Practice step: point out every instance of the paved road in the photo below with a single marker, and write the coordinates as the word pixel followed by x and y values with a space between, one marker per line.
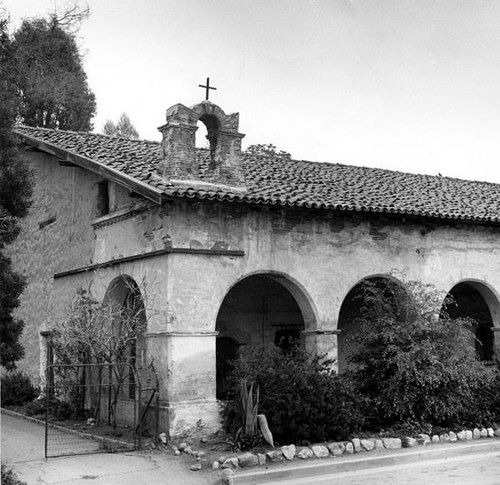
pixel 481 469
pixel 23 450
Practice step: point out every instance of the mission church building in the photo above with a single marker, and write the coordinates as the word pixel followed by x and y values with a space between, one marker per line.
pixel 238 249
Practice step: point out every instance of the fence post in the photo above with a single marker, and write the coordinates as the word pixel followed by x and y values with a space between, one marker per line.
pixel 47 401
pixel 139 414
pixel 157 390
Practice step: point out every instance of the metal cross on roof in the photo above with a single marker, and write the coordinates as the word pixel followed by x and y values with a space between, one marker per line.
pixel 207 87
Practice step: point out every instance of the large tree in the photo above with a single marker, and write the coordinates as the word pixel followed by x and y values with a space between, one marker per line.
pixel 50 76
pixel 124 128
pixel 15 194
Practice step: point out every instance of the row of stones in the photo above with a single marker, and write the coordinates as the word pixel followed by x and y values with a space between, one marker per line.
pixel 355 445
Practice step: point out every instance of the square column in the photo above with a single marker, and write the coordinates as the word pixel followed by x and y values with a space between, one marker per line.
pixel 185 363
pixel 323 342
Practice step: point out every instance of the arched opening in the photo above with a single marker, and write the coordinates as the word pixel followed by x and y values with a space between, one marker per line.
pixel 352 309
pixel 127 316
pixel 207 136
pixel 260 310
pixel 474 300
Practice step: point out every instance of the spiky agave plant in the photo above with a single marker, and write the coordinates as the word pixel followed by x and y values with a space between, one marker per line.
pixel 248 435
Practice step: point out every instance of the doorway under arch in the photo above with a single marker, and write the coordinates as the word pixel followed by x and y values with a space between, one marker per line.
pixel 352 308
pixel 474 300
pixel 259 310
pixel 125 304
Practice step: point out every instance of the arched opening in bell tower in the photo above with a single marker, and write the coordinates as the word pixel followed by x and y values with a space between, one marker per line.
pixel 207 135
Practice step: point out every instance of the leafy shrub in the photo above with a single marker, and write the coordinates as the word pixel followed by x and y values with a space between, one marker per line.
pixel 302 398
pixel 17 388
pixel 9 477
pixel 414 363
pixel 59 410
pixel 35 408
pixel 486 411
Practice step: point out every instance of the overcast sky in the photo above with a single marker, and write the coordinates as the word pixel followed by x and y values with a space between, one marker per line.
pixel 410 85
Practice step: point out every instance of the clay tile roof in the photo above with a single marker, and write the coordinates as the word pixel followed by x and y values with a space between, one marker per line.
pixel 284 182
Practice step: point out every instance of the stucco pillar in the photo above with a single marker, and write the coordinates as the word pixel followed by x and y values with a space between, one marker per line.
pixel 322 342
pixel 185 363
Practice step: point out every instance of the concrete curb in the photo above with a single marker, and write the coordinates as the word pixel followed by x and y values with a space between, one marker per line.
pixel 361 461
pixel 125 445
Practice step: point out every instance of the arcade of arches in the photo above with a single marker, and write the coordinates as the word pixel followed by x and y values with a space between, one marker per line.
pixel 260 310
pixel 469 300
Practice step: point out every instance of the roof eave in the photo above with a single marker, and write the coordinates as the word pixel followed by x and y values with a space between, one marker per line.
pixel 258 201
pixel 130 183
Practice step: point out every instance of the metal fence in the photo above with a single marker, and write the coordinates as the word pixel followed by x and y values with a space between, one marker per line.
pixel 94 408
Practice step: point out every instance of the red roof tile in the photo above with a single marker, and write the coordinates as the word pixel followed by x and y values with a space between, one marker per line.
pixel 279 181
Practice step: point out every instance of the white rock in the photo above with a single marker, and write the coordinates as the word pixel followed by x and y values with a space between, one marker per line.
pixel 230 463
pixel 435 438
pixel 336 449
pixel 491 433
pixel 453 436
pixel 444 438
pixel 483 433
pixel 305 453
pixel 392 443
pixel 468 434
pixel 349 449
pixel 379 444
pixel 262 458
pixel 163 438
pixel 461 435
pixel 289 451
pixel 356 443
pixel 275 455
pixel 476 434
pixel 423 439
pixel 195 467
pixel 320 451
pixel 215 465
pixel 367 445
pixel 247 460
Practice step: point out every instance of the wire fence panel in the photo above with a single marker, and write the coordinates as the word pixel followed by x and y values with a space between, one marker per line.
pixel 94 408
pixel 62 442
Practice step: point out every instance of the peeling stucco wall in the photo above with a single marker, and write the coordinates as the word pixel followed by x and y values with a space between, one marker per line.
pixel 322 255
pixel 55 235
pixel 318 256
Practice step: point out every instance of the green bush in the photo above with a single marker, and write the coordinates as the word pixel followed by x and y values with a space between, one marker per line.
pixel 487 407
pixel 415 364
pixel 301 397
pixel 36 407
pixel 17 388
pixel 9 477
